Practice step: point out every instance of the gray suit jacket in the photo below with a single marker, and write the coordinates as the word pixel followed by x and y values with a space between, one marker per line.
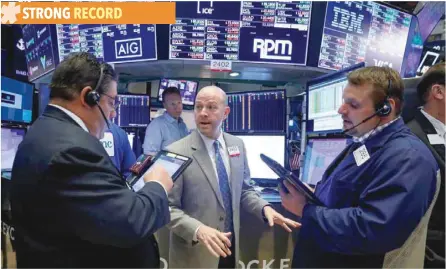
pixel 196 200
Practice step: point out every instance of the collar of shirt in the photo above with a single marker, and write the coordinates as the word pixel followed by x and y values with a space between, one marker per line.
pixel 73 116
pixel 209 143
pixel 438 125
pixel 172 119
pixel 373 132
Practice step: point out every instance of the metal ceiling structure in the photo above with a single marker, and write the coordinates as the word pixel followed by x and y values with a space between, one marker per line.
pixel 249 72
pixel 255 73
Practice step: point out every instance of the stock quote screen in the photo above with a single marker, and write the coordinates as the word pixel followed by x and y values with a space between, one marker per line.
pixel 363 32
pixel 324 100
pixel 256 112
pixel 249 31
pixel 79 37
pixel 134 111
pixel 112 43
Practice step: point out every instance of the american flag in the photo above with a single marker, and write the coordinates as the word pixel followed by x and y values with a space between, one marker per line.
pixel 294 157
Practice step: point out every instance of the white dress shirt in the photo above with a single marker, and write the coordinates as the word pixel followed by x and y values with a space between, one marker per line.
pixel 438 125
pixel 209 143
pixel 73 116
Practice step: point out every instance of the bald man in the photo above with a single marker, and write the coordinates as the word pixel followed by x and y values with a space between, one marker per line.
pixel 205 201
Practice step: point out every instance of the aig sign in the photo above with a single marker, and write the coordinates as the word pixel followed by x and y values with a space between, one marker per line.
pixel 128 48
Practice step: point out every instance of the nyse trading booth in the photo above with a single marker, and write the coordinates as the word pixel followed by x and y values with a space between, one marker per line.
pixel 285 69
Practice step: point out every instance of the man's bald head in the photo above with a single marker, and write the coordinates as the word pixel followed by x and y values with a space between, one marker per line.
pixel 214 91
pixel 210 111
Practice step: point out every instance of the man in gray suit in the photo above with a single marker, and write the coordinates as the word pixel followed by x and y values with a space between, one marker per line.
pixel 205 200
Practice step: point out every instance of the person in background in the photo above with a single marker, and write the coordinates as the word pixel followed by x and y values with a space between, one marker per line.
pixel 207 198
pixel 118 147
pixel 378 193
pixel 70 206
pixel 167 128
pixel 429 125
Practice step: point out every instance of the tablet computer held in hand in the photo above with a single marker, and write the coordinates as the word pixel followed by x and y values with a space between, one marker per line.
pixel 174 164
pixel 284 174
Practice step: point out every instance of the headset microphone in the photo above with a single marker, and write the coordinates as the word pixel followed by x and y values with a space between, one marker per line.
pixel 378 112
pixel 103 115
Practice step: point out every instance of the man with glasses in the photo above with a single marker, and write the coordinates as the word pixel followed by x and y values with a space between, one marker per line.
pixel 70 206
pixel 168 127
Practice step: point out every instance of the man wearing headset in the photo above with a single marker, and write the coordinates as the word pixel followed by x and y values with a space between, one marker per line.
pixel 378 193
pixel 70 206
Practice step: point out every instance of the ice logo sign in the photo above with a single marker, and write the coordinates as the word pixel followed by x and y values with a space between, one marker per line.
pixel 128 48
pixel 273 49
pixel 205 10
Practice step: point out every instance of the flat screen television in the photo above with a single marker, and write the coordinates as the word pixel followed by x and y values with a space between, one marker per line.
pixel 188 89
pixel 11 139
pixel 17 100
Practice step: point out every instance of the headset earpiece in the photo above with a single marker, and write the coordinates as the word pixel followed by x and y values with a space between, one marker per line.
pixel 92 98
pixel 384 109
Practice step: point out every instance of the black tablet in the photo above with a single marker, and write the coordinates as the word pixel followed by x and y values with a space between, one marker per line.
pixel 174 163
pixel 292 179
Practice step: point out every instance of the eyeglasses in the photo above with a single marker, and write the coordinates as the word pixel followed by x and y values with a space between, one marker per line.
pixel 115 104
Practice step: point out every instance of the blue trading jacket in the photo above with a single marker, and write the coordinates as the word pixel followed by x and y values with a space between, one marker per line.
pixel 123 157
pixel 371 209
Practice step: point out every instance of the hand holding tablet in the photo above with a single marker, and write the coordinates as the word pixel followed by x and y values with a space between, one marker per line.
pixel 287 176
pixel 159 174
pixel 174 164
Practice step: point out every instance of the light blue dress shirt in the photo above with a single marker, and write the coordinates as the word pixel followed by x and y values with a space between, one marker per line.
pixel 163 131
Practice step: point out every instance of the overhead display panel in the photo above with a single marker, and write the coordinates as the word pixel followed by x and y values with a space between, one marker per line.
pixel 79 37
pixel 129 42
pixel 205 31
pixel 363 32
pixel 273 32
pixel 39 53
pixel 113 43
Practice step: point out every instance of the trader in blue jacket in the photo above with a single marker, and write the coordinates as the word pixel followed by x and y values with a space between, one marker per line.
pixel 377 193
pixel 118 147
